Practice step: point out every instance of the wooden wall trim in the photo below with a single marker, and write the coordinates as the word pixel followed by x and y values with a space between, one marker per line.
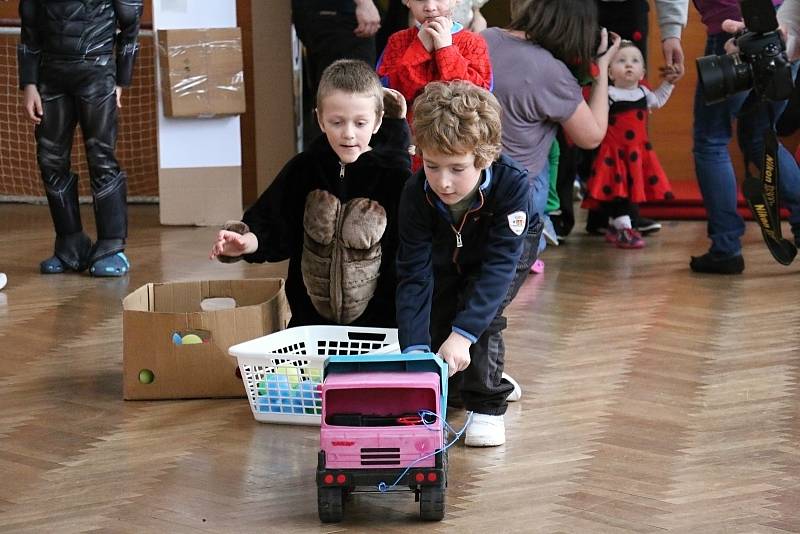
pixel 244 17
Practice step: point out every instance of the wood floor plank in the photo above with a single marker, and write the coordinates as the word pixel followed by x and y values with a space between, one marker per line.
pixel 654 400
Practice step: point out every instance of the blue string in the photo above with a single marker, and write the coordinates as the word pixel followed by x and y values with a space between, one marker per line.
pixel 383 488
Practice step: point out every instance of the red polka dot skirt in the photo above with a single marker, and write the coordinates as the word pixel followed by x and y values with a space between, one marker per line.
pixel 626 165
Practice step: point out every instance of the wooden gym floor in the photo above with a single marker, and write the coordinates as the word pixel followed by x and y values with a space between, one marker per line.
pixel 655 400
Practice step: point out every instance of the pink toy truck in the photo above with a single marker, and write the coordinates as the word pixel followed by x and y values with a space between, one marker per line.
pixel 383 428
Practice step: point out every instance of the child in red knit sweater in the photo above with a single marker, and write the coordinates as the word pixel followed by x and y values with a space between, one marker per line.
pixel 436 49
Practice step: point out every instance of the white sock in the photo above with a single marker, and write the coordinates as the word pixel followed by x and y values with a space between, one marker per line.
pixel 621 223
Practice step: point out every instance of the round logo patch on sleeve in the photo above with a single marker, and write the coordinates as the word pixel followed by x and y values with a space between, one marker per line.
pixel 517 221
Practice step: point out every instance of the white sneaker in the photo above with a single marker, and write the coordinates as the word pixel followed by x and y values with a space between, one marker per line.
pixel 549 232
pixel 517 393
pixel 485 431
pixel 3 280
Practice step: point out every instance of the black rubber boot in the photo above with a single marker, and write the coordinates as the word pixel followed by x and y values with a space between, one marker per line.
pixel 110 212
pixel 71 254
pixel 72 246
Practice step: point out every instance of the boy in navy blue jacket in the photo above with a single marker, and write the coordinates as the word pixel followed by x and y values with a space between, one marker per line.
pixel 467 240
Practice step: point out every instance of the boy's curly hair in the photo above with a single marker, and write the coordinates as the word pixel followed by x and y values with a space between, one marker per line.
pixel 351 76
pixel 456 118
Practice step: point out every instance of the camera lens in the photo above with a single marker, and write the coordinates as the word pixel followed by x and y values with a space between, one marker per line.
pixel 722 76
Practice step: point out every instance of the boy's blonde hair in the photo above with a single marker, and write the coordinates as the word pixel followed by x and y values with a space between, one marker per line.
pixel 351 76
pixel 456 118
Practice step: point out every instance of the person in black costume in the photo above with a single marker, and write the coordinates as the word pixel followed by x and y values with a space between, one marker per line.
pixel 72 67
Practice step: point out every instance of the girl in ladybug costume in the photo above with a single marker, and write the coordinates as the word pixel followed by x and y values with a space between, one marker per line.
pixel 626 169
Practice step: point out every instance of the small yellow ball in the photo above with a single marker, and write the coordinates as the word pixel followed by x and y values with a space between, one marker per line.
pixel 191 339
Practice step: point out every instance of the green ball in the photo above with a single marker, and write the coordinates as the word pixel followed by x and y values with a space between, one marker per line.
pixel 146 376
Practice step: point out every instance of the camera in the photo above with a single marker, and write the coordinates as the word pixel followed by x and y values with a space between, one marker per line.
pixel 761 63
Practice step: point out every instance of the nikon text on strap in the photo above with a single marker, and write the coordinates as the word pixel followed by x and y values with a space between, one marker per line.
pixel 763 197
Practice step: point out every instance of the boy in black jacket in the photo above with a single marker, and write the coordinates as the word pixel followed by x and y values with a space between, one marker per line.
pixel 468 237
pixel 332 210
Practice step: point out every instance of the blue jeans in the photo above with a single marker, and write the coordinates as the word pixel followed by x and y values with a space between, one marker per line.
pixel 540 187
pixel 713 130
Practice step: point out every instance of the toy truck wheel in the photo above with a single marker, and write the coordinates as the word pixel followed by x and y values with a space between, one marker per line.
pixel 330 504
pixel 431 503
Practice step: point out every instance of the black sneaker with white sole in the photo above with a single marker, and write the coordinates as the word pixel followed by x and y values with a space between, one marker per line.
pixel 647 226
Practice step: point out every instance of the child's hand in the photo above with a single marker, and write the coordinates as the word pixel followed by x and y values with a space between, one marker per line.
pixel 32 103
pixel 425 38
pixel 606 53
pixel 394 105
pixel 671 73
pixel 439 30
pixel 368 18
pixel 455 351
pixel 233 244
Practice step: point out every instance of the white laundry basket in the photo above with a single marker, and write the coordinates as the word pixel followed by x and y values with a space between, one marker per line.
pixel 282 372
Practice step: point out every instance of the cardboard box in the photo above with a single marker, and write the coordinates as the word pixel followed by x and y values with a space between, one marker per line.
pixel 161 362
pixel 201 72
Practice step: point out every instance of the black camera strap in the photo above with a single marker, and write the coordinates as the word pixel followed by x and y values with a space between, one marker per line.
pixel 762 195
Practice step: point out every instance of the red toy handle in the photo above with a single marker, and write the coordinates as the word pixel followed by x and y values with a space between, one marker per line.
pixel 409 420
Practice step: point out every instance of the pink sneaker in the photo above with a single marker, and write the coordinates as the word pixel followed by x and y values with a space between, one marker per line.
pixel 611 234
pixel 628 238
pixel 537 267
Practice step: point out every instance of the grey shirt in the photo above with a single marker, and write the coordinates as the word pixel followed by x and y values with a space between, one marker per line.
pixel 536 92
pixel 672 16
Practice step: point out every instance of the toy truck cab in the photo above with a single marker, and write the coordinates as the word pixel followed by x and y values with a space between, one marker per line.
pixel 382 426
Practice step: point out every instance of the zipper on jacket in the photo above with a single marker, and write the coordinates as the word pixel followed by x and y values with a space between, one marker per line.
pixel 341 170
pixel 459 241
pixel 336 275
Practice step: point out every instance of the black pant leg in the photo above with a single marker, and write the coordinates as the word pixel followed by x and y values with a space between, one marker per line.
pixel 620 207
pixel 53 150
pixel 567 170
pixel 483 389
pixel 444 306
pixel 54 136
pixel 395 19
pixel 98 119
